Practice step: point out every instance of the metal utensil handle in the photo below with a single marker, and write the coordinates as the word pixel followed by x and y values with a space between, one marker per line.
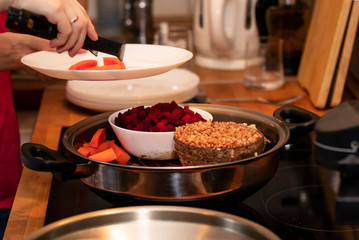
pixel 27 22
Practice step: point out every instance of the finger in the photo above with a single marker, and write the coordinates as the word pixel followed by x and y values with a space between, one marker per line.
pixel 91 32
pixel 77 38
pixel 39 44
pixel 79 43
pixel 89 29
pixel 64 28
pixel 56 13
pixel 79 29
pixel 60 12
pixel 68 32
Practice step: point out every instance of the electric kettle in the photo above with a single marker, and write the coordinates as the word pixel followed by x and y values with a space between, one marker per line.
pixel 221 31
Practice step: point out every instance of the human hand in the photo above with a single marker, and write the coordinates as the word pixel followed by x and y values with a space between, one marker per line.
pixel 14 46
pixel 73 23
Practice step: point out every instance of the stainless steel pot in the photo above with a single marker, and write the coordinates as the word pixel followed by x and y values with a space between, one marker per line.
pixel 165 181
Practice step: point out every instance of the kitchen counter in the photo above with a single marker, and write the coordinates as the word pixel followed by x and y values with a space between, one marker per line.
pixel 29 209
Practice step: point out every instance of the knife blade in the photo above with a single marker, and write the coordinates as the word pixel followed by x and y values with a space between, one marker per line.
pixel 24 21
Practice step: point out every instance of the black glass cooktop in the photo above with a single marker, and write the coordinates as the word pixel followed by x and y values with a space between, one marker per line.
pixel 299 202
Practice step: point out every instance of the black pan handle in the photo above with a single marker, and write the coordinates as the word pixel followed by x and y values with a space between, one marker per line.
pixel 298 120
pixel 41 158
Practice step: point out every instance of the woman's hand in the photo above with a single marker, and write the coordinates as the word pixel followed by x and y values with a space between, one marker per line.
pixel 73 23
pixel 13 46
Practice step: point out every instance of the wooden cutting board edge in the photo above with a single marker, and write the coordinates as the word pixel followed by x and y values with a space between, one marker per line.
pixel 317 65
pixel 341 76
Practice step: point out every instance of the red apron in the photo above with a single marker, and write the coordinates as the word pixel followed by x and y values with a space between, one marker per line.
pixel 10 161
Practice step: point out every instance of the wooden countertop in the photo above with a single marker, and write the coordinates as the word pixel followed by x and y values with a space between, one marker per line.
pixel 29 209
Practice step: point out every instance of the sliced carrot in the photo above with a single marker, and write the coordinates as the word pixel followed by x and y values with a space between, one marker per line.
pixel 84 151
pixel 98 149
pixel 88 148
pixel 111 61
pixel 86 144
pixel 98 138
pixel 105 156
pixel 122 155
pixel 85 64
pixel 105 145
pixel 93 150
pixel 107 67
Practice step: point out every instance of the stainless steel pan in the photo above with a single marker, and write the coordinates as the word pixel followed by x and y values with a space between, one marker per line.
pixel 154 223
pixel 167 181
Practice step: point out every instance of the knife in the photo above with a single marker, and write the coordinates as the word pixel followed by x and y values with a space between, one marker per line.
pixel 27 22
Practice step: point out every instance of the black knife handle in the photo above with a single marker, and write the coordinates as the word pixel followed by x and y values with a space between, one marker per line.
pixel 27 22
pixel 24 21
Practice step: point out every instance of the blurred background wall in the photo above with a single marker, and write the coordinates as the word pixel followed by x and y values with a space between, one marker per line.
pixel 160 8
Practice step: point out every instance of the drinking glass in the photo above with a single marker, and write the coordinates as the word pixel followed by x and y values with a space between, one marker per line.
pixel 264 64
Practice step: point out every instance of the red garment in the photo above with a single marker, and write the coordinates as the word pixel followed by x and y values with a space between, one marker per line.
pixel 10 161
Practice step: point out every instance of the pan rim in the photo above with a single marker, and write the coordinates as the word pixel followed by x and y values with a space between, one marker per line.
pixel 283 137
pixel 207 217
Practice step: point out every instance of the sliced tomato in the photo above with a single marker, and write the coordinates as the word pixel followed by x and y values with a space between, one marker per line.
pixel 85 64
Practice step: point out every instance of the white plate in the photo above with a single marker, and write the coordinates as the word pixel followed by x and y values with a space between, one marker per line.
pixel 141 60
pixel 179 85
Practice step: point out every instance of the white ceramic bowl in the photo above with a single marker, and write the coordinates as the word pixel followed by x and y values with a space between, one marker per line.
pixel 149 145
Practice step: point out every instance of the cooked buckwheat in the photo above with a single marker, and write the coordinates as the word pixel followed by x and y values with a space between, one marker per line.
pixel 204 143
pixel 217 134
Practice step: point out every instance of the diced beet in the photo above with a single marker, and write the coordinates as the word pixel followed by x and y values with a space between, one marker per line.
pixel 154 129
pixel 163 129
pixel 186 119
pixel 177 113
pixel 189 112
pixel 147 123
pixel 126 119
pixel 161 117
pixel 167 128
pixel 142 115
pixel 199 117
pixel 155 115
pixel 160 125
pixel 139 127
pixel 141 108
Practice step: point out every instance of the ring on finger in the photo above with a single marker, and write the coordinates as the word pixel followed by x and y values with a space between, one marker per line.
pixel 73 20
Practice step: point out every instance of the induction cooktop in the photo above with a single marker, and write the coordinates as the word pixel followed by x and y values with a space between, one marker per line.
pixel 299 202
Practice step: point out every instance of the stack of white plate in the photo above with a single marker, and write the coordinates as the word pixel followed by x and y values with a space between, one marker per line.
pixel 178 84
